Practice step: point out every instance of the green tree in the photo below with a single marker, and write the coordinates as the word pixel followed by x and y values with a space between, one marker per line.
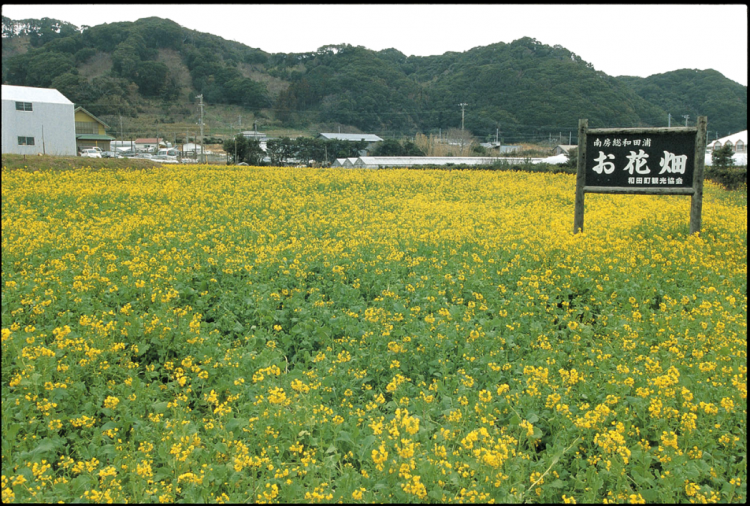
pixel 388 147
pixel 74 87
pixel 152 78
pixel 392 147
pixel 722 158
pixel 411 149
pixel 280 150
pixel 248 150
pixel 45 67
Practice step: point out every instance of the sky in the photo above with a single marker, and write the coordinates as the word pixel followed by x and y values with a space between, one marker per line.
pixel 634 40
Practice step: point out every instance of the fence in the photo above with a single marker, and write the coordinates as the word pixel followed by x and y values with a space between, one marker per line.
pixel 193 157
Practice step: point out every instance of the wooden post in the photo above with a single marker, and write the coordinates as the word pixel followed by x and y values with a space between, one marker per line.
pixel 696 203
pixel 583 125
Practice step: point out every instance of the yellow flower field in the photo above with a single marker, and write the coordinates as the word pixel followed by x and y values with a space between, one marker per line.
pixel 224 334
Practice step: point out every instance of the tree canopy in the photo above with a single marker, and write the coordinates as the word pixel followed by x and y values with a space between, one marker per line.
pixel 524 89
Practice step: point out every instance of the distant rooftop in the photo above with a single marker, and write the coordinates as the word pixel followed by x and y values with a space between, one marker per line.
pixel 352 137
pixel 253 133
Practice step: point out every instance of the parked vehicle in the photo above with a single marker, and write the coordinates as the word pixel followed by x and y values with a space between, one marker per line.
pixel 90 153
pixel 110 154
pixel 168 152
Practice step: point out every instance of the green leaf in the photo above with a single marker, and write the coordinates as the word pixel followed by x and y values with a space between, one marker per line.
pixel 436 494
pixel 43 447
pixel 345 437
pixel 160 407
pixel 10 433
pixel 162 474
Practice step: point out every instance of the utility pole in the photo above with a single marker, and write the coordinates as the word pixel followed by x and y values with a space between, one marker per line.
pixel 686 118
pixel 462 105
pixel 201 105
pixel 235 143
pixel 122 137
pixel 669 120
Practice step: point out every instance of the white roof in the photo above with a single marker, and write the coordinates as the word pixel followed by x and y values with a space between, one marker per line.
pixel 739 136
pixel 408 161
pixel 352 137
pixel 28 94
pixel 561 158
pixel 424 160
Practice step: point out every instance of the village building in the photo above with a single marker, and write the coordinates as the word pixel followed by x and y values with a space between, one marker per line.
pixel 150 144
pixel 37 121
pixel 91 131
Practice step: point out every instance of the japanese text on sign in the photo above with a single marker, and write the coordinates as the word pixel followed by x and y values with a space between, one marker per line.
pixel 632 160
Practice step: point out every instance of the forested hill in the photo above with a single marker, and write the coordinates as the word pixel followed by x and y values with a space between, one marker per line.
pixel 523 88
pixel 696 92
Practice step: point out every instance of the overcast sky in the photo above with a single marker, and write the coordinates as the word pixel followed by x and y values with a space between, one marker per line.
pixel 636 40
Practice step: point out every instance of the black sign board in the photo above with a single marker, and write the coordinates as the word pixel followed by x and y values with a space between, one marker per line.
pixel 651 161
pixel 664 160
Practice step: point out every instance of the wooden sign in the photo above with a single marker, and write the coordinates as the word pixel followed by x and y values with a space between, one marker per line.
pixel 650 161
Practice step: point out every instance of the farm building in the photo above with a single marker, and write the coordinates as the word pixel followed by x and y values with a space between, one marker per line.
pixel 563 149
pixel 376 162
pixel 381 162
pixel 37 121
pixel 255 135
pixel 371 138
pixel 500 148
pixel 91 131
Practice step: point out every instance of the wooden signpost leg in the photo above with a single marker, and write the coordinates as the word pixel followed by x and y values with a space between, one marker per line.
pixel 696 204
pixel 583 125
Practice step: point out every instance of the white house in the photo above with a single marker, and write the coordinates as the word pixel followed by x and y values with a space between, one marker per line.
pixel 151 144
pixel 37 121
pixel 738 142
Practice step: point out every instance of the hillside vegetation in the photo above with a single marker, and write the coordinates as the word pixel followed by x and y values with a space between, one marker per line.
pixel 524 90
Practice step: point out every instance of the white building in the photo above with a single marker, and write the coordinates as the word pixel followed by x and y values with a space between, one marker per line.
pixel 376 162
pixel 37 121
pixel 738 142
pixel 371 138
